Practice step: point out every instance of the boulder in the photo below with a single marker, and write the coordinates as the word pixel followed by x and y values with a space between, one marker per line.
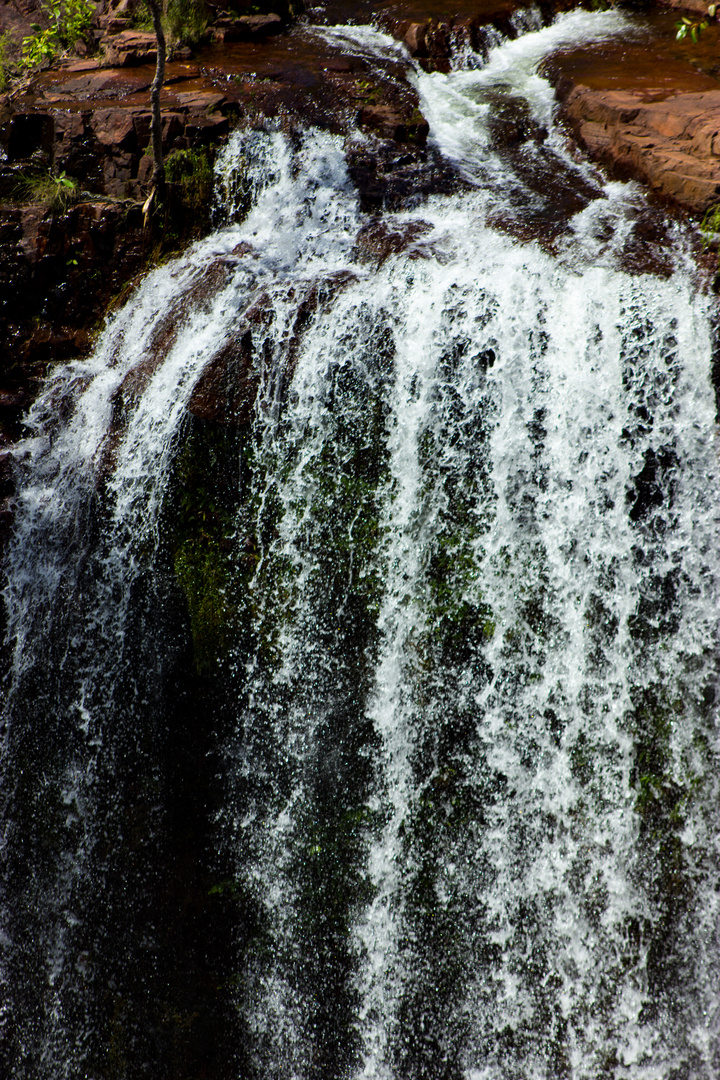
pixel 129 48
pixel 246 28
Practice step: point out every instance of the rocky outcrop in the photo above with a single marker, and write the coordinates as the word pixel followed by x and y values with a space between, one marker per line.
pixel 671 145
pixel 646 108
pixel 129 48
pixel 54 269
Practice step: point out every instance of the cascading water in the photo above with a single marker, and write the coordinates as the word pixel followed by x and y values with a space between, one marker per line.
pixel 365 726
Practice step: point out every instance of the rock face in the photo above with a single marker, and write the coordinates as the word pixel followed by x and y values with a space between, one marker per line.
pixel 672 145
pixel 647 109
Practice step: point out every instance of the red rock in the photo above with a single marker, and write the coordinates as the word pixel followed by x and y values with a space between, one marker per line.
pixel 114 127
pixel 670 145
pixel 81 65
pixel 200 99
pixel 129 48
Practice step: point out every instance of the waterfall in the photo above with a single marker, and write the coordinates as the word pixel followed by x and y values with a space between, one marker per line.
pixel 360 708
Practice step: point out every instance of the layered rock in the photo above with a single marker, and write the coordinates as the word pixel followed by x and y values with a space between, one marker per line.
pixel 672 145
pixel 644 112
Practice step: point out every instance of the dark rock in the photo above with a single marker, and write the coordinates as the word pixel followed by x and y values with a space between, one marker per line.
pixel 29 134
pixel 227 389
pixel 246 28
pixel 388 123
pixel 389 176
pixel 377 241
pixel 206 130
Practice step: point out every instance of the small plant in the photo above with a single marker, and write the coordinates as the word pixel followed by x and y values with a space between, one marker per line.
pixel 57 192
pixel 694 27
pixel 192 172
pixel 69 21
pixel 710 226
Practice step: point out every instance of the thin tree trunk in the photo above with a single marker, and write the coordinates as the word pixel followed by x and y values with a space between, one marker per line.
pixel 158 176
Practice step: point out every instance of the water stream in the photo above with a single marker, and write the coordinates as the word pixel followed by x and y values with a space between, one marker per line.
pixel 366 726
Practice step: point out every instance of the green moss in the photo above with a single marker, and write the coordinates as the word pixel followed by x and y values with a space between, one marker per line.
pixel 666 790
pixel 187 21
pixel 201 570
pixel 199 525
pixel 192 170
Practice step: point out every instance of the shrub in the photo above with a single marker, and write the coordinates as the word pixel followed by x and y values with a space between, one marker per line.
pixel 69 20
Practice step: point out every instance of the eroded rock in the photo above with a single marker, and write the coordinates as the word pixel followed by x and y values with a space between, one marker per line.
pixel 671 145
pixel 130 48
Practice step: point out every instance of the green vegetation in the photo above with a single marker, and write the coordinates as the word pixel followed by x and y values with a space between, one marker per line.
pixel 184 22
pixel 710 227
pixel 200 525
pixel 693 27
pixel 69 22
pixel 666 790
pixel 192 170
pixel 58 193
pixel 186 206
pixel 5 60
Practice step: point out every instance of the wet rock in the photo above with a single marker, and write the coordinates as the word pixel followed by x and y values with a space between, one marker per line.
pixel 377 241
pixel 389 176
pixel 389 123
pixel 511 123
pixel 227 389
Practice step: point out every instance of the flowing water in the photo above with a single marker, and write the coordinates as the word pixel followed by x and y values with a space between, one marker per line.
pixel 366 726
